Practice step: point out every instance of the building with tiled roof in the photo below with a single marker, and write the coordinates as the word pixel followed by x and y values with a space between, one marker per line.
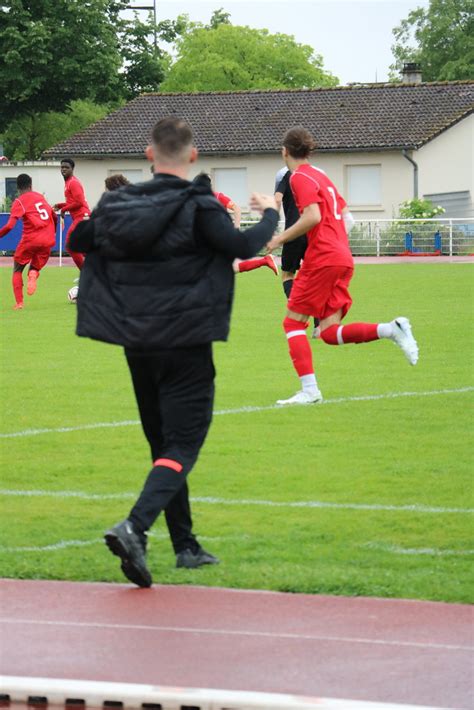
pixel 378 142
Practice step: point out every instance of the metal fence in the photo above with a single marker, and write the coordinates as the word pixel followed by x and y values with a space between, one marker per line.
pixel 407 237
pixel 395 237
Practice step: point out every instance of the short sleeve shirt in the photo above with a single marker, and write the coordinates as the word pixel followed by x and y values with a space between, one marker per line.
pixel 328 244
pixel 38 222
pixel 289 207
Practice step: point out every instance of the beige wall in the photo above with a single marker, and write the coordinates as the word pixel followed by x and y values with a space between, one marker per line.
pixel 46 177
pixel 446 164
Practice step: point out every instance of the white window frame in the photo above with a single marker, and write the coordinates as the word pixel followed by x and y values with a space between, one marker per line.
pixel 357 199
pixel 233 182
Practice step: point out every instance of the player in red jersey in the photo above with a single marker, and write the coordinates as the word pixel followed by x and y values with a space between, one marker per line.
pixel 76 204
pixel 246 264
pixel 321 286
pixel 39 236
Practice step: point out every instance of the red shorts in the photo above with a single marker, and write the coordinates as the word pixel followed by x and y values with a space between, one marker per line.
pixel 321 292
pixel 26 253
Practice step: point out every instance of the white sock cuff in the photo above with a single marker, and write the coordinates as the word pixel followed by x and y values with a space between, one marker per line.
pixel 384 330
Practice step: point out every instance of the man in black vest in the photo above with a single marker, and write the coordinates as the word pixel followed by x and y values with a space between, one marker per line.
pixel 158 280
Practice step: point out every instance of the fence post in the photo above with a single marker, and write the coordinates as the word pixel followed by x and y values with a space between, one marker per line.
pixel 450 237
pixel 60 240
pixel 377 237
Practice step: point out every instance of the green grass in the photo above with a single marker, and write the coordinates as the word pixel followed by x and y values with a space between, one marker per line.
pixel 394 452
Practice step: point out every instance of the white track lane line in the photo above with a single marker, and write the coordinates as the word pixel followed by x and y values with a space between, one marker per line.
pixel 232 632
pixel 415 508
pixel 96 693
pixel 239 410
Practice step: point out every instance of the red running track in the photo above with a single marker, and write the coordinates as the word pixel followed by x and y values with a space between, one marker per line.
pixel 368 649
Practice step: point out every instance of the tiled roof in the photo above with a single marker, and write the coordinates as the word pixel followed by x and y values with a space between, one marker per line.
pixel 347 118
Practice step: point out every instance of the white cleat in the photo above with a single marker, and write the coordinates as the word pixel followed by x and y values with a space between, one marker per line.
pixel 403 337
pixel 302 398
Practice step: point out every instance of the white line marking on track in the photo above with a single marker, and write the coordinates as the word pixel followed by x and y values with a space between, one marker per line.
pixel 397 550
pixel 414 508
pixel 233 632
pixel 239 410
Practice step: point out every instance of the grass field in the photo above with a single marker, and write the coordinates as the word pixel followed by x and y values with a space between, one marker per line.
pixel 407 459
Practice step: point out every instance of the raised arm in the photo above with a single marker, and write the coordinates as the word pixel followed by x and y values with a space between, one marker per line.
pixel 216 230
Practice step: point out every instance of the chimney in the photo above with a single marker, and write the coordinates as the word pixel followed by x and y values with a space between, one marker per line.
pixel 411 73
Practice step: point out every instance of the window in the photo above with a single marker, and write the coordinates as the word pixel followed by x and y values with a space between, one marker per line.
pixel 10 188
pixel 232 182
pixel 364 184
pixel 131 175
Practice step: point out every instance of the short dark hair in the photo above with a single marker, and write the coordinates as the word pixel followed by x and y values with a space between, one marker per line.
pixel 113 182
pixel 171 136
pixel 70 161
pixel 23 181
pixel 299 142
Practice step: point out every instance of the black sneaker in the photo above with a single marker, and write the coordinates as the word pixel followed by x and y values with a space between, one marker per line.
pixel 190 559
pixel 123 541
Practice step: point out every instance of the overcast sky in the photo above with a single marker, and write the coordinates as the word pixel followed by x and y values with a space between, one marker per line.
pixel 354 37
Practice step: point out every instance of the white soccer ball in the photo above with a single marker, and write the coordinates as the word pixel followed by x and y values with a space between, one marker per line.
pixel 72 294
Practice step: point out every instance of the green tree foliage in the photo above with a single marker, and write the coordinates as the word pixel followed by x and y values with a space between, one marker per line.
pixel 68 61
pixel 440 37
pixel 226 58
pixel 29 136
pixel 56 51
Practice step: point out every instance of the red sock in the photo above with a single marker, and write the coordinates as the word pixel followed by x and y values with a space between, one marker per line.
pixel 352 333
pixel 251 264
pixel 77 258
pixel 300 351
pixel 17 282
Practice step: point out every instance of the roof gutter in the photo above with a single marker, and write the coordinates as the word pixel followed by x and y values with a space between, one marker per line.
pixel 415 172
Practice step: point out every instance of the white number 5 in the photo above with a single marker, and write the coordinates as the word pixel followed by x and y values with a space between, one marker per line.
pixel 332 192
pixel 41 211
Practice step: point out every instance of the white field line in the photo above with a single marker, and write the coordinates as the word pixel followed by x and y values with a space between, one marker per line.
pixel 64 544
pixel 414 508
pixel 239 410
pixel 232 632
pixel 391 549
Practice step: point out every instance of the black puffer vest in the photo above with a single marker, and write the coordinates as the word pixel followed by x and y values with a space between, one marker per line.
pixel 148 283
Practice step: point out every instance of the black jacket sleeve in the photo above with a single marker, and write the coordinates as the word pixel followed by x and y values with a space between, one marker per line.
pixel 82 238
pixel 215 230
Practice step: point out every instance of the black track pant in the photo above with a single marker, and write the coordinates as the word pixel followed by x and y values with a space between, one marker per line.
pixel 175 392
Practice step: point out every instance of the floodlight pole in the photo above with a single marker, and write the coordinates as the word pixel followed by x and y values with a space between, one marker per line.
pixel 148 7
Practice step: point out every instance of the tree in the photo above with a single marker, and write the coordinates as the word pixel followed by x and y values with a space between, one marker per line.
pixel 56 51
pixel 67 61
pixel 228 58
pixel 27 137
pixel 443 37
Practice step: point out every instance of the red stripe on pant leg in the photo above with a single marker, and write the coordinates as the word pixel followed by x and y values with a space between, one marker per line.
pixel 169 463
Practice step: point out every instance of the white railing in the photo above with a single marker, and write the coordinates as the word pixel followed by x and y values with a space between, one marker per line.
pixel 395 237
pixel 392 237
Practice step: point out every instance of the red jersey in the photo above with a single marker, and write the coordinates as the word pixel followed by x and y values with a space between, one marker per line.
pixel 328 244
pixel 224 200
pixel 39 220
pixel 76 203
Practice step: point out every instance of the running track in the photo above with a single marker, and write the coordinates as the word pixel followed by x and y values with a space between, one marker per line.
pixel 379 650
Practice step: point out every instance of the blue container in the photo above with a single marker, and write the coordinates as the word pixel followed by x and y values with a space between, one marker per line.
pixel 9 242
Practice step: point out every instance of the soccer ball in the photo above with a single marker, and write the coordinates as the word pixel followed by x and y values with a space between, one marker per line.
pixel 72 294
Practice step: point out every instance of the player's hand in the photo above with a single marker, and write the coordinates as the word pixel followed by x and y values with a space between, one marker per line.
pixel 273 244
pixel 261 202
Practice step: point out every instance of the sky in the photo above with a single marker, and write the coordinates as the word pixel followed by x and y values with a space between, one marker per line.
pixel 354 37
